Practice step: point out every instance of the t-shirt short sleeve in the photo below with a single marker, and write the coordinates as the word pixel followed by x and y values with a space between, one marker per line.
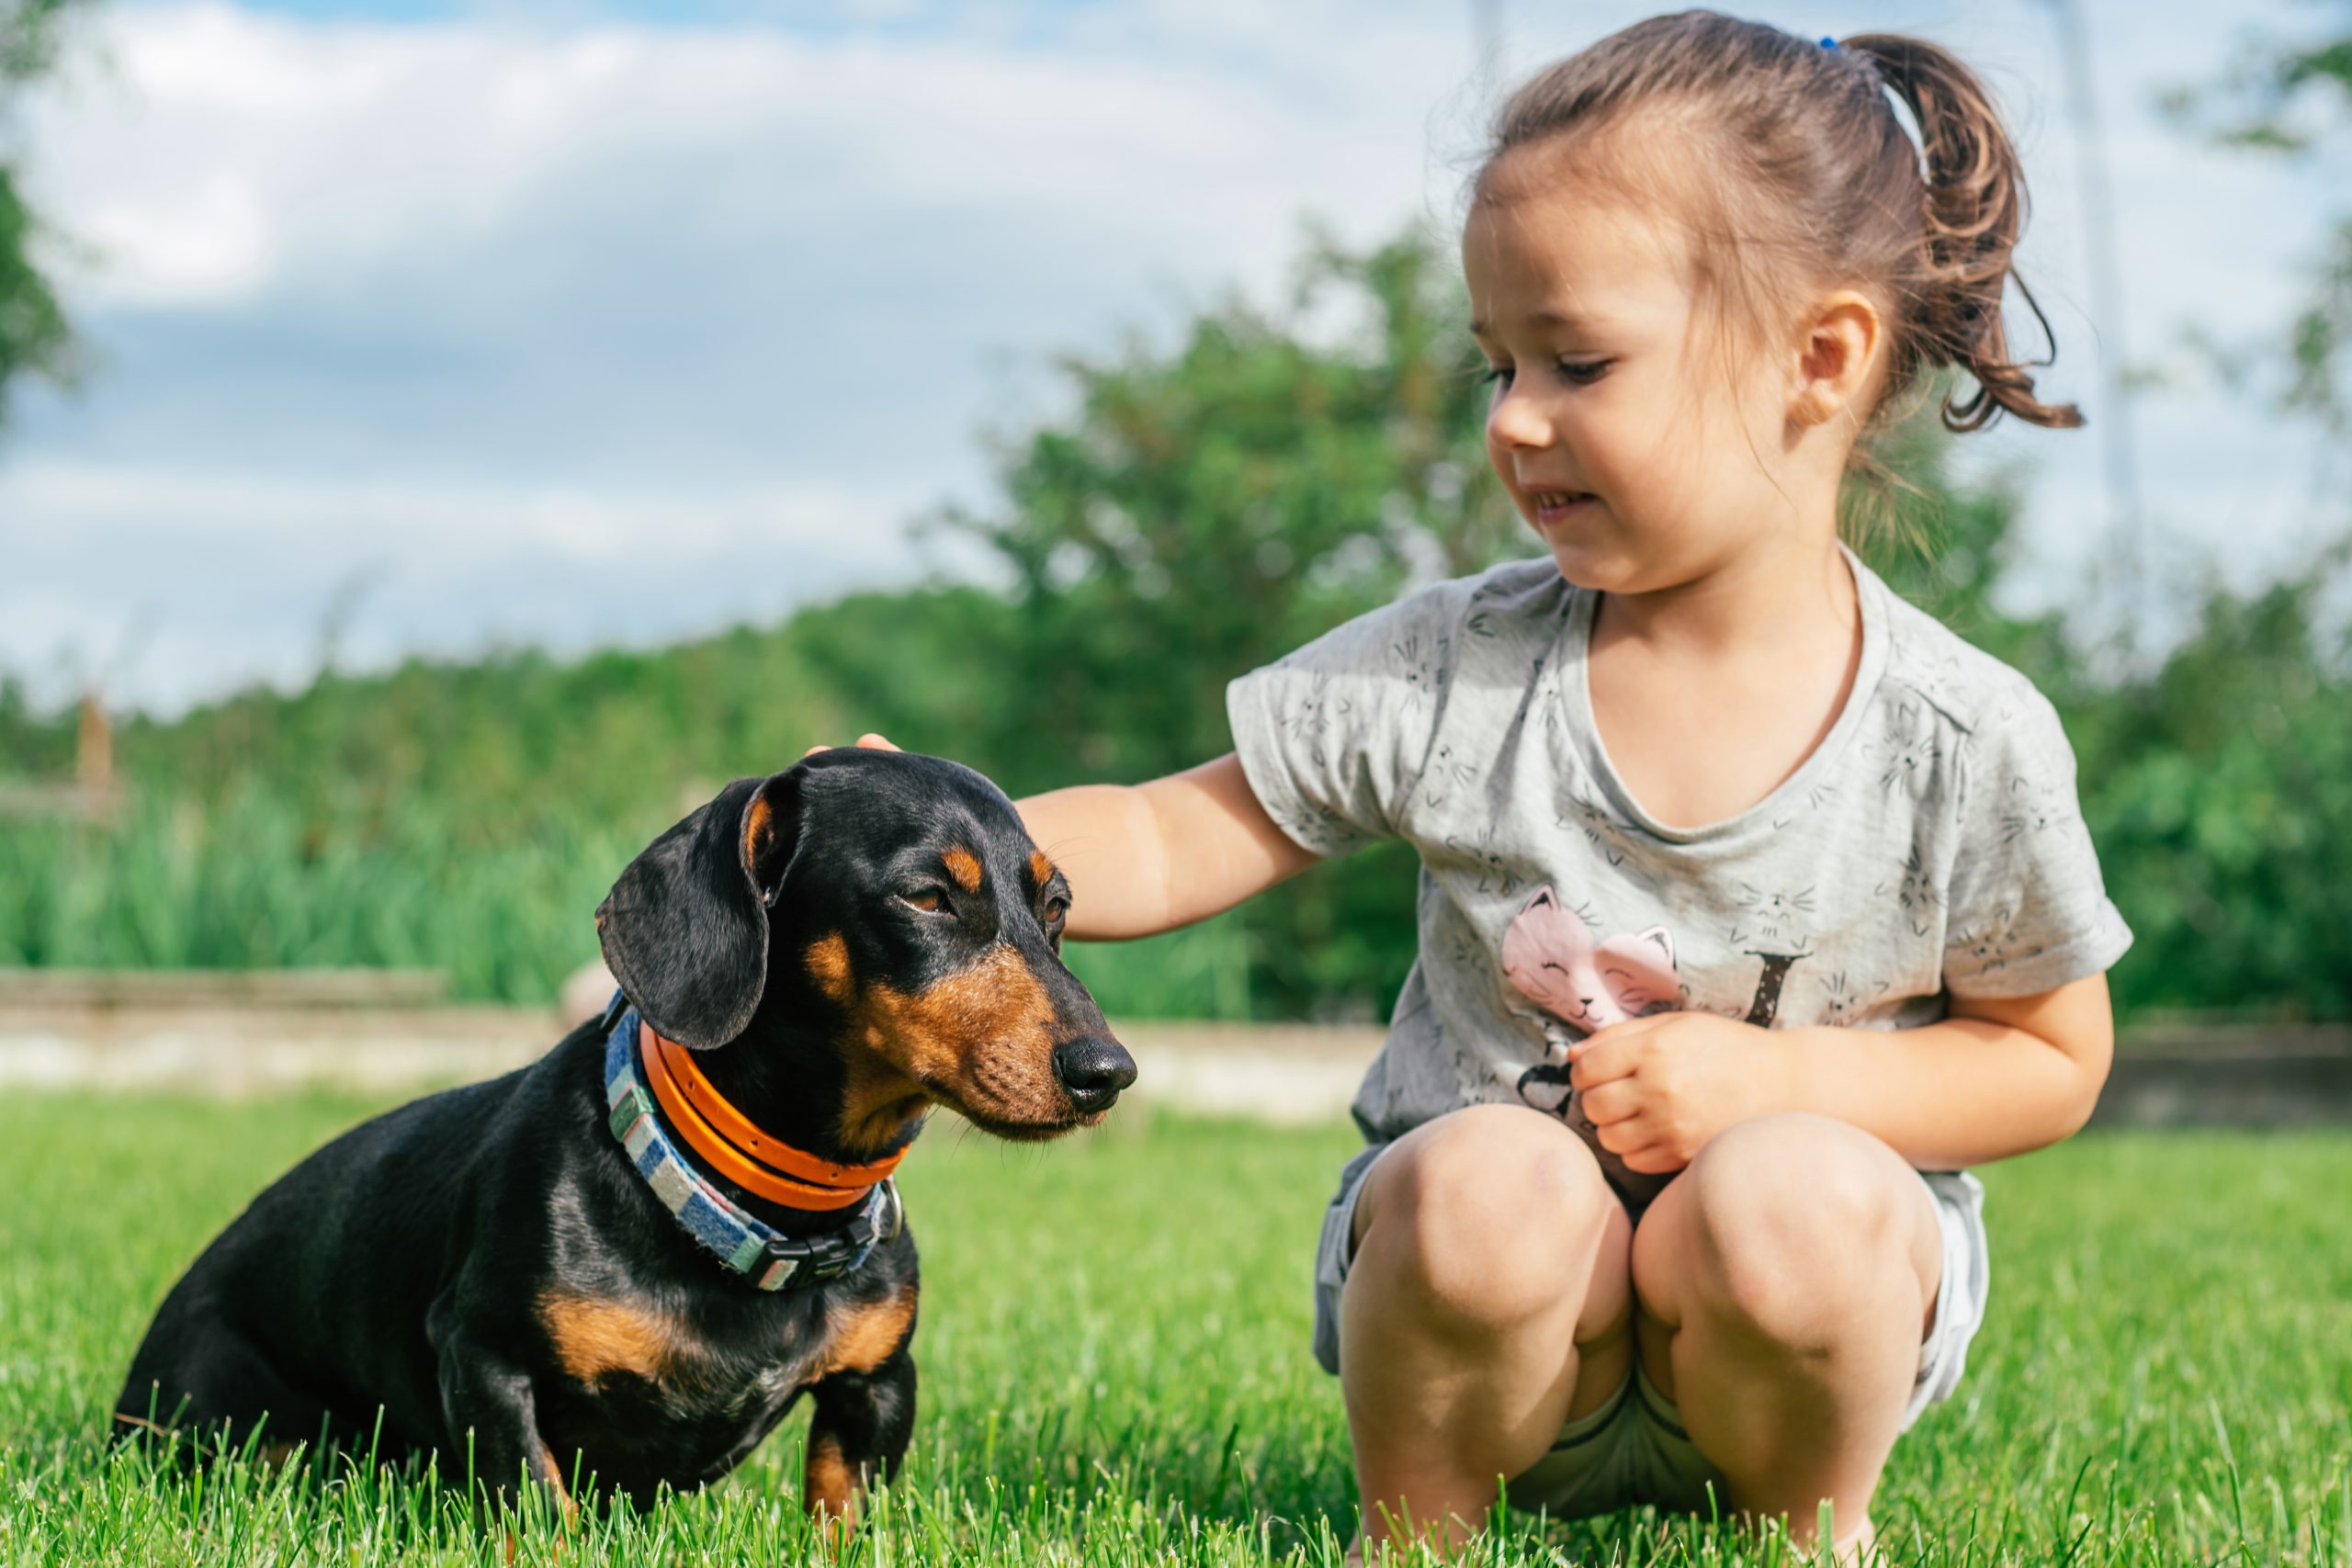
pixel 1332 736
pixel 2028 910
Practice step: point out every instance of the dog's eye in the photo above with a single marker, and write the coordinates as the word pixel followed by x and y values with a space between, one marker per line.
pixel 929 900
pixel 1057 910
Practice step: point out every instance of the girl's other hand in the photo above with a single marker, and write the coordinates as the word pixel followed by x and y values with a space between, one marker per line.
pixel 1656 1089
pixel 869 741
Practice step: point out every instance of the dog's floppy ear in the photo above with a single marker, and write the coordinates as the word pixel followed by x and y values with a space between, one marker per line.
pixel 686 928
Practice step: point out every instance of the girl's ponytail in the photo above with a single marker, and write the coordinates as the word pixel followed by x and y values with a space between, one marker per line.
pixel 1975 208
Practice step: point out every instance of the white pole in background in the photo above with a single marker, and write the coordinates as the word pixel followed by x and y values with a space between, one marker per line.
pixel 2127 526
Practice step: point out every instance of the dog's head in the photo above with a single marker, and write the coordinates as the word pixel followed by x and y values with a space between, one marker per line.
pixel 892 901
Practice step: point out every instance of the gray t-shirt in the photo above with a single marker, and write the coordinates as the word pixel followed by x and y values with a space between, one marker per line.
pixel 1931 846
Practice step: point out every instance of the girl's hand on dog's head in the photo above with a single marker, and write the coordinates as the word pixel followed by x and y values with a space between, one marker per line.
pixel 869 741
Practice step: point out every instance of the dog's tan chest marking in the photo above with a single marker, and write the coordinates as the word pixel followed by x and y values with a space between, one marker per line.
pixel 595 1338
pixel 861 1336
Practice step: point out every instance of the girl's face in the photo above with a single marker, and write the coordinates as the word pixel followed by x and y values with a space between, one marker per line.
pixel 1627 440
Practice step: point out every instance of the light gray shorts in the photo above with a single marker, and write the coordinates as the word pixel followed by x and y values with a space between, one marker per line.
pixel 1634 1450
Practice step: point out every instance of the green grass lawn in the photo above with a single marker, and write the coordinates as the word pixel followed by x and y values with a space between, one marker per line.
pixel 1116 1368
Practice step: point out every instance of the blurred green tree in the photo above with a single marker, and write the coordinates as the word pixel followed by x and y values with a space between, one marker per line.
pixel 34 338
pixel 2220 793
pixel 1275 473
pixel 2219 787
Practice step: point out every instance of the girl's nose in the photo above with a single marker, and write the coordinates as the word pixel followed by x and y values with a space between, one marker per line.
pixel 1514 421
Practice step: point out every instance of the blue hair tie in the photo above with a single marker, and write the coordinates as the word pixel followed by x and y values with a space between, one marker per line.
pixel 1830 43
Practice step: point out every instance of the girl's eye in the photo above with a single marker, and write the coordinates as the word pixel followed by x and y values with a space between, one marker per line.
pixel 1584 372
pixel 929 900
pixel 1495 376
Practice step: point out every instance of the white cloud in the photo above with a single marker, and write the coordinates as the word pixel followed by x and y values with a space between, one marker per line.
pixel 175 583
pixel 223 151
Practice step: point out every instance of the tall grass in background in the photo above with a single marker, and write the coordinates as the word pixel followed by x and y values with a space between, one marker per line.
pixel 255 882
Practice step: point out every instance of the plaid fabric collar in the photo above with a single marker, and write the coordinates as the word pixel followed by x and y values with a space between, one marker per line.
pixel 746 1245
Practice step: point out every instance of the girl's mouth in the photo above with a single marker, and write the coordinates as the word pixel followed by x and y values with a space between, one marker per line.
pixel 1552 505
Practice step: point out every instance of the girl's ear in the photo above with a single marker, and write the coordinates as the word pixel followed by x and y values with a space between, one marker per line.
pixel 686 928
pixel 1838 360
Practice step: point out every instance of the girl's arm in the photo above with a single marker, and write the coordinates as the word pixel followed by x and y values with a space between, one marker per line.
pixel 1998 1078
pixel 1148 858
pixel 1142 859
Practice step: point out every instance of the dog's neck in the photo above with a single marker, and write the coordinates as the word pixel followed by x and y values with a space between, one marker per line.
pixel 749 1118
pixel 793 1081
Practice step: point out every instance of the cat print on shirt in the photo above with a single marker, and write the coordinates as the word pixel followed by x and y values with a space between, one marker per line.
pixel 1992 944
pixel 1424 674
pixel 1309 719
pixel 1495 873
pixel 1550 956
pixel 1915 893
pixel 1774 922
pixel 2033 808
pixel 1594 820
pixel 1843 1001
pixel 1908 760
pixel 1580 985
pixel 1775 928
pixel 1448 771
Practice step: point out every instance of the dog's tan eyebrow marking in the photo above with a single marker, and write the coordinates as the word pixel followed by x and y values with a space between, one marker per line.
pixel 1040 867
pixel 965 867
pixel 828 961
pixel 863 1337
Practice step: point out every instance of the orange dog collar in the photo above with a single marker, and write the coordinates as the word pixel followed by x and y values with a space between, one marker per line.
pixel 758 1162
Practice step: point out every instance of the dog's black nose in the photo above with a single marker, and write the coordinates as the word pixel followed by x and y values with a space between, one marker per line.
pixel 1094 1070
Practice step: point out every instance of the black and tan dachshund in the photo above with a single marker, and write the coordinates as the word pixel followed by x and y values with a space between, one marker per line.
pixel 631 1258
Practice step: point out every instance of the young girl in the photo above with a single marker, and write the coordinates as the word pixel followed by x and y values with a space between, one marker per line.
pixel 1755 904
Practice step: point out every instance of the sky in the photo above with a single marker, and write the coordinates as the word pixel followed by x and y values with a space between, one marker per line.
pixel 444 326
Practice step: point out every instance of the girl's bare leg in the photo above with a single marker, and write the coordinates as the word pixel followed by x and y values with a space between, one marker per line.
pixel 1487 1304
pixel 1785 1281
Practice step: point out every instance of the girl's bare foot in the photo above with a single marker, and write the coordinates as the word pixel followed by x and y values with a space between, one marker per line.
pixel 1859 1548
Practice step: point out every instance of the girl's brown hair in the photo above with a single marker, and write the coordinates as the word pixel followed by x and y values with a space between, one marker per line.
pixel 1808 180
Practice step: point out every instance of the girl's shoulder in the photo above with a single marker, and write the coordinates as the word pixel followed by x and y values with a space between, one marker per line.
pixel 1930 664
pixel 1505 606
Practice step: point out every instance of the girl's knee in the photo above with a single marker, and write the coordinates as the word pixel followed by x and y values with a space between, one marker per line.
pixel 1782 1224
pixel 1489 1215
pixel 1797 1177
